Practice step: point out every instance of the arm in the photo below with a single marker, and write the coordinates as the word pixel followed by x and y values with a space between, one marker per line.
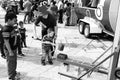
pixel 44 41
pixel 56 30
pixel 34 26
pixel 6 36
pixel 8 47
pixel 24 4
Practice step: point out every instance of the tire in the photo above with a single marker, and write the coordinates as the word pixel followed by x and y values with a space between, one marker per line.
pixel 87 31
pixel 117 73
pixel 81 27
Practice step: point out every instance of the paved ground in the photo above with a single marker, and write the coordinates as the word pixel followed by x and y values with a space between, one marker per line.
pixel 30 65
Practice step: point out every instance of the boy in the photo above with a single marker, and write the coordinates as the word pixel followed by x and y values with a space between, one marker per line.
pixel 23 34
pixel 11 44
pixel 47 47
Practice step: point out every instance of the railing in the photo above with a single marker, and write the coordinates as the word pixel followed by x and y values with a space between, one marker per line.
pixel 91 69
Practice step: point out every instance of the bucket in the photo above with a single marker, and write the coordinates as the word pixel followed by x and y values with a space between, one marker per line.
pixel 61 46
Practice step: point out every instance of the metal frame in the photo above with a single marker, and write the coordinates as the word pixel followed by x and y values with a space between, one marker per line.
pixel 116 44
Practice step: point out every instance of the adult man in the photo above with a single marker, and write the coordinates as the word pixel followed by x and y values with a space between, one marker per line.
pixel 47 20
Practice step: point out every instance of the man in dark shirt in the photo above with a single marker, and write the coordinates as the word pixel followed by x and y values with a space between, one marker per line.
pixel 47 20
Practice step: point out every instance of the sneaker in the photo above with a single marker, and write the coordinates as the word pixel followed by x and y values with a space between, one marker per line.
pixel 43 62
pixel 25 46
pixel 50 62
pixel 17 77
pixel 21 54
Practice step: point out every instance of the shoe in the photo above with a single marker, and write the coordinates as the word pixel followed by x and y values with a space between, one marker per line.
pixel 43 62
pixel 17 77
pixel 25 46
pixel 50 62
pixel 21 54
pixel 38 39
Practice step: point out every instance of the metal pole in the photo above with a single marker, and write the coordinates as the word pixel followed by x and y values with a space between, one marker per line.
pixel 114 59
pixel 97 65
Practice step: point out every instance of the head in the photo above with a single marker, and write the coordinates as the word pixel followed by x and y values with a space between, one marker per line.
pixel 10 18
pixel 50 32
pixel 43 11
pixel 21 24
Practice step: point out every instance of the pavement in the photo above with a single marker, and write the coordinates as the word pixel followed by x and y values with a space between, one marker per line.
pixel 75 47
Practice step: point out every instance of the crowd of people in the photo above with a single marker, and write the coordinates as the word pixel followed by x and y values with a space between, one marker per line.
pixel 13 33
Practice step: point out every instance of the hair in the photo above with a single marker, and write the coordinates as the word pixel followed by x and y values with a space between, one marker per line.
pixel 20 22
pixel 54 2
pixel 10 15
pixel 49 30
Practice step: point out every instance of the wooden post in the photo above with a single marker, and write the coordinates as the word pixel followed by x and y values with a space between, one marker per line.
pixel 114 59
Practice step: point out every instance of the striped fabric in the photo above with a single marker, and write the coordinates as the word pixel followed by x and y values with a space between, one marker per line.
pixel 6 34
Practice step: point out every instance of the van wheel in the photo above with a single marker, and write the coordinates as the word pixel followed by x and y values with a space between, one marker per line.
pixel 81 27
pixel 87 31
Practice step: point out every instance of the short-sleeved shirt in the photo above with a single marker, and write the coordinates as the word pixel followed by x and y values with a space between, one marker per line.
pixel 22 32
pixel 50 22
pixel 10 34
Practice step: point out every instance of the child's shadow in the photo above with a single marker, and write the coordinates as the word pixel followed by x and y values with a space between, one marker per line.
pixel 24 76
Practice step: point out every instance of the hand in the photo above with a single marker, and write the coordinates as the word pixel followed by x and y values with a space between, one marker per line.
pixel 11 54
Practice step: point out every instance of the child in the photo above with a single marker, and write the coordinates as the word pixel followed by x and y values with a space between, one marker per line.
pixel 19 40
pixel 23 34
pixel 47 47
pixel 11 44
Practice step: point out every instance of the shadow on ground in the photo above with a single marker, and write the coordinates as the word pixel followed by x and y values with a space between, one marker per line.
pixel 24 76
pixel 3 71
pixel 33 55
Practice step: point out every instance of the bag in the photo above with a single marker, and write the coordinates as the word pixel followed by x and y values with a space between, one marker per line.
pixel 62 56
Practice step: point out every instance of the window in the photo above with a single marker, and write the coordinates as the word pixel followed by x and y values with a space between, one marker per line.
pixel 90 3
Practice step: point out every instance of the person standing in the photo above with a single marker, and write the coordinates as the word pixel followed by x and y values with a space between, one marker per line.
pixel 47 20
pixel 19 49
pixel 23 34
pixel 21 4
pixel 54 9
pixel 11 44
pixel 47 47
pixel 60 11
pixel 68 14
pixel 27 8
